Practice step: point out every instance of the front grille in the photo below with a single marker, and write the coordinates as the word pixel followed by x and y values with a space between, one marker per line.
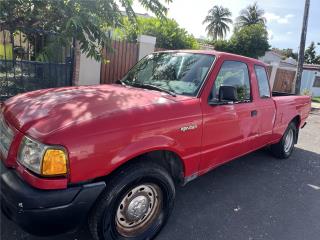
pixel 6 137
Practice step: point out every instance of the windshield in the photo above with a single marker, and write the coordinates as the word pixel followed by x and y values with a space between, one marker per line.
pixel 179 73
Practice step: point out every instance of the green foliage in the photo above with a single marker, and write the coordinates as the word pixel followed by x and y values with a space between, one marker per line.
pixel 86 21
pixel 250 37
pixel 223 46
pixel 167 31
pixel 316 99
pixel 306 92
pixel 251 15
pixel 218 19
pixel 287 52
pixel 310 55
pixel 250 41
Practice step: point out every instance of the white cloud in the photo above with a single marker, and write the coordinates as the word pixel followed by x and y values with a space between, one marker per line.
pixel 272 17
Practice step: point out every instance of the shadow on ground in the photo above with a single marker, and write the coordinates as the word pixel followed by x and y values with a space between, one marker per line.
pixel 253 197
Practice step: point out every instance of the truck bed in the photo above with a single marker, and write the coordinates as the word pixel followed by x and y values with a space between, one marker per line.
pixel 288 107
pixel 281 94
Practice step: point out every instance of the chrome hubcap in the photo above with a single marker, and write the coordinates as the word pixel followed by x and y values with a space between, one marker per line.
pixel 288 141
pixel 137 210
pixel 138 207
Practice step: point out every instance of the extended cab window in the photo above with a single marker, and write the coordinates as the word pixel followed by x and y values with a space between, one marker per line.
pixel 263 83
pixel 235 74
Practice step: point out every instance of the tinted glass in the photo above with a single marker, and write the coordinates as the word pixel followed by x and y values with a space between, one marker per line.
pixel 263 82
pixel 181 73
pixel 233 74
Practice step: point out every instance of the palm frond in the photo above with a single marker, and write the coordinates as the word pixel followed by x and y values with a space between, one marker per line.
pixel 252 14
pixel 217 22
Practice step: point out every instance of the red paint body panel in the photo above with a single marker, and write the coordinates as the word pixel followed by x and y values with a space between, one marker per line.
pixel 102 127
pixel 41 183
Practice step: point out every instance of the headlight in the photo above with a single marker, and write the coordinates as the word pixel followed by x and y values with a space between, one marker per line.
pixel 42 159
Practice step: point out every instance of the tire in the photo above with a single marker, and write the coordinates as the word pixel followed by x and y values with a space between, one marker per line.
pixel 284 148
pixel 146 185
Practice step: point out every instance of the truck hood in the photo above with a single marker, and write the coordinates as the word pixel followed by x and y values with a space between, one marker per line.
pixel 42 112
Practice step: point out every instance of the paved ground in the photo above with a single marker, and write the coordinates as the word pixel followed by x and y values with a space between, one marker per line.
pixel 315 104
pixel 253 198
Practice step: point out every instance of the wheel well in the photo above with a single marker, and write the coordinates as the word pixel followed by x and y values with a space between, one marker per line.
pixel 296 120
pixel 167 159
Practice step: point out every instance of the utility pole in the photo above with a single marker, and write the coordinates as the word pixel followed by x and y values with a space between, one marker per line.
pixel 302 46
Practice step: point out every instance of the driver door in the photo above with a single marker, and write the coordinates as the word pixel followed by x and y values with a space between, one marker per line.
pixel 228 128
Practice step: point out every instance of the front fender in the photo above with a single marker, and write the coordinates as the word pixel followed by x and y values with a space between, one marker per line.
pixel 146 145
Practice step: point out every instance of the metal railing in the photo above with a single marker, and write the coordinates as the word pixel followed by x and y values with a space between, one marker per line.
pixel 32 60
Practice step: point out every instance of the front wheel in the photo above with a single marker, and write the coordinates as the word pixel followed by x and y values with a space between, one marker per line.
pixel 284 148
pixel 136 204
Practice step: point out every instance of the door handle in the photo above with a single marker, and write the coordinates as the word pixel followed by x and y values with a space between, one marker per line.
pixel 254 113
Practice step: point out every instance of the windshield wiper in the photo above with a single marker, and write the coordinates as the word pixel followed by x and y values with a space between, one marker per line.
pixel 152 87
pixel 120 82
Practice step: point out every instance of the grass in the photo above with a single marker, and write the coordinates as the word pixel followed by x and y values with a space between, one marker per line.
pixel 316 99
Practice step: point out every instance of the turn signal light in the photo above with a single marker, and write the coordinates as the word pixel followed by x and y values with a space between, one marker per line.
pixel 54 163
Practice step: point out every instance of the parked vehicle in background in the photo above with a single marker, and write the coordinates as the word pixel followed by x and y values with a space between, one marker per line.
pixel 112 154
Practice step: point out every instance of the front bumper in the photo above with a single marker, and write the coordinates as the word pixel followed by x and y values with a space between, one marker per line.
pixel 46 212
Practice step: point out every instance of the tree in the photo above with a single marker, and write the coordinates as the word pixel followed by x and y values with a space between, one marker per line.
pixel 168 33
pixel 310 55
pixel 251 15
pixel 286 52
pixel 250 41
pixel 85 21
pixel 223 46
pixel 218 19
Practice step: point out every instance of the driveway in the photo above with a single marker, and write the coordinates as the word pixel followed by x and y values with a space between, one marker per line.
pixel 252 198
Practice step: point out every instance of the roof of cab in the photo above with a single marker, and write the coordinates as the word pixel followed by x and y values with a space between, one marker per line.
pixel 219 54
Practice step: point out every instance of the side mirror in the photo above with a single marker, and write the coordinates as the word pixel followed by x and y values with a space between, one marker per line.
pixel 228 93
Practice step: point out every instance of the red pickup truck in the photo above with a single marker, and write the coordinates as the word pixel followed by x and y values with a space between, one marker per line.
pixel 110 155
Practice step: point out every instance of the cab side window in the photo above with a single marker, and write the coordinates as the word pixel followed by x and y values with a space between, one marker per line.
pixel 263 82
pixel 235 74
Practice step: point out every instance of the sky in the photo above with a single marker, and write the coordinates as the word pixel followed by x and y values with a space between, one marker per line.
pixel 284 18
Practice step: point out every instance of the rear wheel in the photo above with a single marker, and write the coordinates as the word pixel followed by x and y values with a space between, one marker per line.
pixel 284 148
pixel 136 205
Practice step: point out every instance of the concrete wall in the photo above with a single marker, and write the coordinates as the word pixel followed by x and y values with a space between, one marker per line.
pixel 315 91
pixel 273 75
pixel 89 71
pixel 270 58
pixel 146 45
pixel 307 80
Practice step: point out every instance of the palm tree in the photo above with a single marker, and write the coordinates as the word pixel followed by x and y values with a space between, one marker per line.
pixel 251 15
pixel 218 19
